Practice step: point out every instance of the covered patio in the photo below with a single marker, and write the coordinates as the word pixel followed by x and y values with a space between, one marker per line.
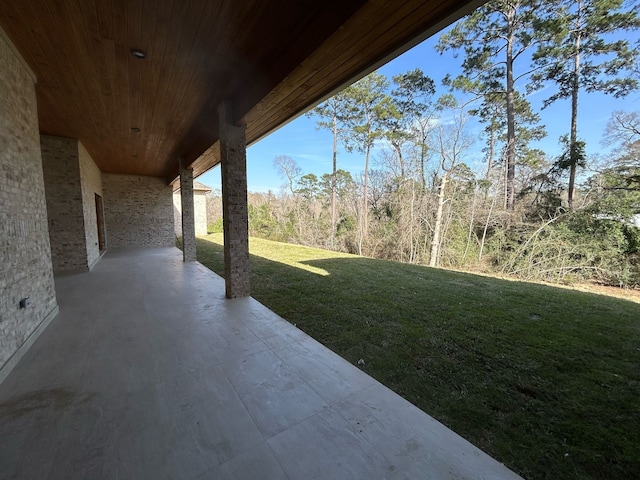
pixel 149 372
pixel 122 357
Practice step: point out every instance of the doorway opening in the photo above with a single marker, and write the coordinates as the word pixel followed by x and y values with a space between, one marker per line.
pixel 100 223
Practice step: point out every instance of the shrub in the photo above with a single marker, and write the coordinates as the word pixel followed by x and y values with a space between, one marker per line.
pixel 575 246
pixel 215 227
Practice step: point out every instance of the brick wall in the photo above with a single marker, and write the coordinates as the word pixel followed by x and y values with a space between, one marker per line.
pixel 60 162
pixel 138 211
pixel 91 183
pixel 71 181
pixel 25 255
pixel 200 209
pixel 177 214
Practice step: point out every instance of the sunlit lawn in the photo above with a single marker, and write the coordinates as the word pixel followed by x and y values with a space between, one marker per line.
pixel 546 380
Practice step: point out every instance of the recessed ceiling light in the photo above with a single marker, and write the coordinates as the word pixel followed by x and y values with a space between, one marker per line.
pixel 136 52
pixel 135 129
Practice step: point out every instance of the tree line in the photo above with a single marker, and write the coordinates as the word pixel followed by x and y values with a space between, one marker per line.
pixel 526 213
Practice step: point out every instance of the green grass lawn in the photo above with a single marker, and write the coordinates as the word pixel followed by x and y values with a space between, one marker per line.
pixel 546 380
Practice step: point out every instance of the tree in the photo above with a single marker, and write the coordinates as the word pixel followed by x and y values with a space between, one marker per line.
pixel 623 173
pixel 491 113
pixel 410 111
pixel 451 142
pixel 343 185
pixel 371 106
pixel 333 114
pixel 493 37
pixel 288 169
pixel 308 186
pixel 577 54
pixel 623 127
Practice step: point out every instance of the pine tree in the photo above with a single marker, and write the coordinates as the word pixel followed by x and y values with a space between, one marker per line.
pixel 333 115
pixel 411 102
pixel 493 38
pixel 579 54
pixel 371 106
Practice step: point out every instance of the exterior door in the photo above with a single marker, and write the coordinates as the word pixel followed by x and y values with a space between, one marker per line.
pixel 100 223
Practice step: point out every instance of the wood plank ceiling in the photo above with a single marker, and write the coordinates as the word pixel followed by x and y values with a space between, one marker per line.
pixel 273 59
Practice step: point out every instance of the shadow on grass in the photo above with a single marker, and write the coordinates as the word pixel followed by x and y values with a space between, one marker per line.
pixel 545 379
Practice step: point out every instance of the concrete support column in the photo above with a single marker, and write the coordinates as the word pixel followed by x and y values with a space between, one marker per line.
pixel 188 216
pixel 235 217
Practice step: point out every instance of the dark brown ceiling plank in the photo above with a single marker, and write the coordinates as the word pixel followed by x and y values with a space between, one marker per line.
pixel 156 50
pixel 134 69
pixel 149 78
pixel 94 45
pixel 35 56
pixel 121 127
pixel 105 20
pixel 193 85
pixel 10 18
pixel 163 125
pixel 111 96
pixel 58 24
pixel 83 21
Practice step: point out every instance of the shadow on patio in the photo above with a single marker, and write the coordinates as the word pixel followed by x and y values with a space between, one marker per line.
pixel 149 372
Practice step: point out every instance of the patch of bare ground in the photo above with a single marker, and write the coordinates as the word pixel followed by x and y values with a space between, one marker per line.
pixel 632 294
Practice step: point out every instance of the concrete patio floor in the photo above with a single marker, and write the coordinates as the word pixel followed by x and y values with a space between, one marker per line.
pixel 148 372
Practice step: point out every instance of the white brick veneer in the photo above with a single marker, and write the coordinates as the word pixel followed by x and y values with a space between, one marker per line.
pixel 138 211
pixel 25 254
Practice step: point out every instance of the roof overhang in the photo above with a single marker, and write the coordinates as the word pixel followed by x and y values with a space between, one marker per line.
pixel 273 59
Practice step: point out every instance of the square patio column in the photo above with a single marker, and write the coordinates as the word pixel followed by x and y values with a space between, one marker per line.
pixel 188 216
pixel 235 218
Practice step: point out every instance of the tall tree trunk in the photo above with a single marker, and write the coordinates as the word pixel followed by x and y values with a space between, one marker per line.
pixel 492 146
pixel 492 143
pixel 365 200
pixel 423 154
pixel 435 242
pixel 503 178
pixel 334 180
pixel 364 230
pixel 573 140
pixel 398 150
pixel 412 251
pixel 511 123
pixel 471 221
pixel 486 227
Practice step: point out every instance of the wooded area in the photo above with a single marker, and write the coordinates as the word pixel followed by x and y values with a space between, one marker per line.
pixel 527 214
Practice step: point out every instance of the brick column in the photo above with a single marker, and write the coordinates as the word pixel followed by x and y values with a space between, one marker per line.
pixel 234 203
pixel 188 217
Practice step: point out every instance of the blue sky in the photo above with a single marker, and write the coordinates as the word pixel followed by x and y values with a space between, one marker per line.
pixel 311 148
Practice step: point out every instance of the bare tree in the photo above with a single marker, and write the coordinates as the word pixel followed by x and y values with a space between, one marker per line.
pixel 289 170
pixel 623 127
pixel 451 142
